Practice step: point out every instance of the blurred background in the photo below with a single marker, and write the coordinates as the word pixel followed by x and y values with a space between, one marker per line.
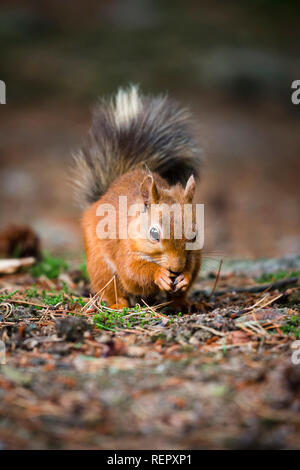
pixel 231 62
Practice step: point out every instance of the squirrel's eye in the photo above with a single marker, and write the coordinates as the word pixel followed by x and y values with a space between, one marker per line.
pixel 154 234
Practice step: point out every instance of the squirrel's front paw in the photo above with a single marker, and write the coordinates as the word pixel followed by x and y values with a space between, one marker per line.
pixel 163 279
pixel 182 282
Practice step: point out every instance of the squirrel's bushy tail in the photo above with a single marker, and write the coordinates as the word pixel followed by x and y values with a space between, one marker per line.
pixel 131 129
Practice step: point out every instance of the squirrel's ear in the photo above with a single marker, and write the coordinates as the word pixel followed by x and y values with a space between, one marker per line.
pixel 149 191
pixel 190 187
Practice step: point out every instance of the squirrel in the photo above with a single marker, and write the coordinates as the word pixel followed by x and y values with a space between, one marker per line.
pixel 139 147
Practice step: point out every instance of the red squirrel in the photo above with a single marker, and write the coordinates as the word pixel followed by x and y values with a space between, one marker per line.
pixel 139 147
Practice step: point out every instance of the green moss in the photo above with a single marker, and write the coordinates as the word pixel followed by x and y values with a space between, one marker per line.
pixel 54 297
pixel 292 327
pixel 49 266
pixel 108 319
pixel 32 292
pixel 8 296
pixel 276 276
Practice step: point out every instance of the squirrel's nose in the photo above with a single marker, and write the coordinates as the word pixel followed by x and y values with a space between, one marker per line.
pixel 176 264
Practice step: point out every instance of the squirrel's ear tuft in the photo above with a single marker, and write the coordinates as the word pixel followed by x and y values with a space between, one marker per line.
pixel 190 187
pixel 149 191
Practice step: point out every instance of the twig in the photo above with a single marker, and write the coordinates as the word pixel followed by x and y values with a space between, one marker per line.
pixel 261 304
pixel 8 307
pixel 254 327
pixel 211 330
pixel 10 266
pixel 92 300
pixel 18 301
pixel 272 300
pixel 216 280
pixel 256 304
pixel 253 289
pixel 157 314
pixel 116 293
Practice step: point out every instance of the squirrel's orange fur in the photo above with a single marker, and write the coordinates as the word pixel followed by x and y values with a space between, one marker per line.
pixel 135 274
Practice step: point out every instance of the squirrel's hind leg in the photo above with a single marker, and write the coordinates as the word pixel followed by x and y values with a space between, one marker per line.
pixel 122 302
pixel 103 282
pixel 114 296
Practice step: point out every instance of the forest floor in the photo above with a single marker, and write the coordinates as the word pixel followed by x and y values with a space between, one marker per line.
pixel 80 376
